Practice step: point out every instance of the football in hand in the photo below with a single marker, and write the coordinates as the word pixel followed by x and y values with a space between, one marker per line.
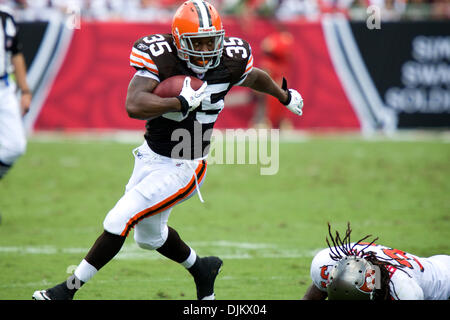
pixel 171 87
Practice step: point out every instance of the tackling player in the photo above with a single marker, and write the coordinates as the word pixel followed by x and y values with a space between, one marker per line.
pixel 363 271
pixel 163 175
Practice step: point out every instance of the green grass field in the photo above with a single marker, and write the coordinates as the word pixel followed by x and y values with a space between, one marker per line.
pixel 266 228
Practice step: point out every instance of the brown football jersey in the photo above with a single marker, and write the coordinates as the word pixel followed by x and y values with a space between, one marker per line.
pixel 172 134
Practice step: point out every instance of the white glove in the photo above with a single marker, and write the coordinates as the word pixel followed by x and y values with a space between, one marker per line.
pixel 294 101
pixel 190 98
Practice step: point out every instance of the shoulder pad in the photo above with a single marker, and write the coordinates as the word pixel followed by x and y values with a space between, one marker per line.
pixel 320 267
pixel 238 57
pixel 152 53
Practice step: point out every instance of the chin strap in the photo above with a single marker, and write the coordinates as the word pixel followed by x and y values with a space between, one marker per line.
pixel 198 70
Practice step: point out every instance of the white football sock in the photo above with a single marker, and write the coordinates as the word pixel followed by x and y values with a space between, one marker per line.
pixel 85 271
pixel 189 262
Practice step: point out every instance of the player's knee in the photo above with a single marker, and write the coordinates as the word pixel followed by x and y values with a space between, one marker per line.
pixel 152 232
pixel 111 226
pixel 150 244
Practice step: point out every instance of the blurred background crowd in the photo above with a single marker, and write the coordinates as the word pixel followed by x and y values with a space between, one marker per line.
pixel 162 10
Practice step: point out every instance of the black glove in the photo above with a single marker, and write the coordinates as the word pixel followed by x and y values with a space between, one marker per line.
pixel 285 88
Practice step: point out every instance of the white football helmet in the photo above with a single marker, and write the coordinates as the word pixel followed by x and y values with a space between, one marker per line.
pixel 352 278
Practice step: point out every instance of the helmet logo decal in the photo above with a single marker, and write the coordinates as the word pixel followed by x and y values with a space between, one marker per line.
pixel 210 29
pixel 369 281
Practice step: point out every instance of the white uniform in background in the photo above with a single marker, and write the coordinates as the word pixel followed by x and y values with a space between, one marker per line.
pixel 12 131
pixel 423 279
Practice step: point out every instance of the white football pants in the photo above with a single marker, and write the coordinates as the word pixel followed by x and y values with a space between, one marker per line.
pixel 12 131
pixel 156 185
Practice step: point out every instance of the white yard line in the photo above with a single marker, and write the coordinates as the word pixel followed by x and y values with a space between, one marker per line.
pixel 46 284
pixel 225 249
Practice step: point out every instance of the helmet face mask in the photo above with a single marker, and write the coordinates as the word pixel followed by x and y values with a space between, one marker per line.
pixel 352 278
pixel 196 20
pixel 201 59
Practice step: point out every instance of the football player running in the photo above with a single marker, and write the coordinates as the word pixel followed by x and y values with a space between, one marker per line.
pixel 164 176
pixel 368 271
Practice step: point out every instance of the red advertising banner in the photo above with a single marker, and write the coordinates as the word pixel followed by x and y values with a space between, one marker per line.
pixel 89 90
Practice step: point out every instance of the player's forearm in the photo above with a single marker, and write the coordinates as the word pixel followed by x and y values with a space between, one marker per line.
pixel 20 71
pixel 260 80
pixel 146 105
pixel 142 104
